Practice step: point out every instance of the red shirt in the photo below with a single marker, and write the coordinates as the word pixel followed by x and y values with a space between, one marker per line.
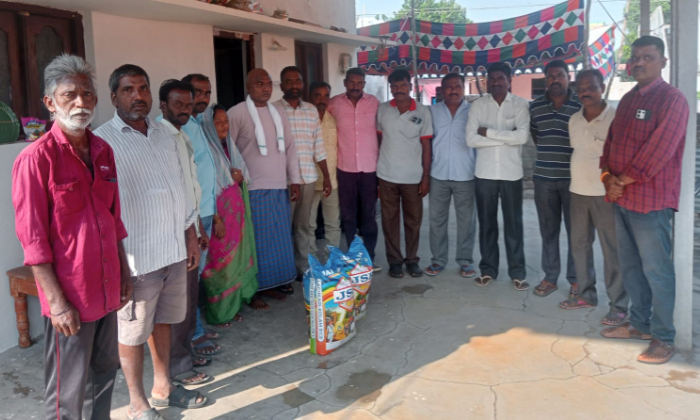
pixel 358 147
pixel 646 142
pixel 64 217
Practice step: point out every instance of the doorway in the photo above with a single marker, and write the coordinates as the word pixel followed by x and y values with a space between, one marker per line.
pixel 309 59
pixel 232 60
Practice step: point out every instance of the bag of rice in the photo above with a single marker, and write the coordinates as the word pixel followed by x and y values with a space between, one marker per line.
pixel 33 128
pixel 358 267
pixel 329 300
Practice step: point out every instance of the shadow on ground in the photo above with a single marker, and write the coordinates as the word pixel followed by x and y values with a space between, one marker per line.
pixel 432 347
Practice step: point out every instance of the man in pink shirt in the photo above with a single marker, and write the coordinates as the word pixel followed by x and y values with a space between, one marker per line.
pixel 358 150
pixel 68 219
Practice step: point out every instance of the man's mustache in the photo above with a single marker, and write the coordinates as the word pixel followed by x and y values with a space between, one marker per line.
pixel 77 111
pixel 137 103
pixel 183 115
pixel 639 68
pixel 202 104
pixel 555 84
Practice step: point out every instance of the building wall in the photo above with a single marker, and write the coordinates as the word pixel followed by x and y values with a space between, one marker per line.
pixel 166 50
pixel 11 254
pixel 340 13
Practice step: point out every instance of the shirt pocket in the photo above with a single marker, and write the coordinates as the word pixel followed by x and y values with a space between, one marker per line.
pixel 105 189
pixel 410 130
pixel 509 124
pixel 67 197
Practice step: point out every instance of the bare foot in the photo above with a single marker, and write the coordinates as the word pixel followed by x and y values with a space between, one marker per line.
pixel 257 303
pixel 274 294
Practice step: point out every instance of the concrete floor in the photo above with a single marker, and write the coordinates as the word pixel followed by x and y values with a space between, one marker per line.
pixel 436 347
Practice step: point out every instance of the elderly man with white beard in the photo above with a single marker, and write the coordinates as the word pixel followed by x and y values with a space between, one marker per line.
pixel 68 219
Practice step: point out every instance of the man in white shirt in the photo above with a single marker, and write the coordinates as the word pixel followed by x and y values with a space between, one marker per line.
pixel 497 128
pixel 162 244
pixel 588 130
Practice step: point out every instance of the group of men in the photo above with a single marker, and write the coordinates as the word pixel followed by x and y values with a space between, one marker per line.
pixel 114 223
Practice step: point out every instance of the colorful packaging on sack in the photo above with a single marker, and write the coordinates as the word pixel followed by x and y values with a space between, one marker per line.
pixel 329 299
pixel 358 266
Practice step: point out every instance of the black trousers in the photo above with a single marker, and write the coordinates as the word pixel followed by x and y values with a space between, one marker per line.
pixel 181 334
pixel 357 193
pixel 79 370
pixel 488 192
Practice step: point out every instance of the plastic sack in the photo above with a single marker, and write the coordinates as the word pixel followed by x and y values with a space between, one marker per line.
pixel 358 266
pixel 33 128
pixel 329 300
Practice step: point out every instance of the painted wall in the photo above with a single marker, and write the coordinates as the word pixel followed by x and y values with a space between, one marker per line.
pixel 339 13
pixel 332 74
pixel 11 255
pixel 274 60
pixel 165 50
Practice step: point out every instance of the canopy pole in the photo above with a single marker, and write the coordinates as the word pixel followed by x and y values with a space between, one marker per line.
pixel 415 55
pixel 586 36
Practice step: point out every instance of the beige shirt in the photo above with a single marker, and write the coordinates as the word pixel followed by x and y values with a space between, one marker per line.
pixel 588 142
pixel 330 141
pixel 185 153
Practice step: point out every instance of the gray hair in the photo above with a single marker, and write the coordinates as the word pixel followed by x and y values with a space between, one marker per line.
pixel 63 67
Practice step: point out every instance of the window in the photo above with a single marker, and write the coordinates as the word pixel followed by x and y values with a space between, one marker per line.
pixel 30 37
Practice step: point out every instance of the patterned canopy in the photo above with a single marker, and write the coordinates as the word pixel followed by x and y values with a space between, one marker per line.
pixel 556 32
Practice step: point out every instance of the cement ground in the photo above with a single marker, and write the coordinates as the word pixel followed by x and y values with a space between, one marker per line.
pixel 430 348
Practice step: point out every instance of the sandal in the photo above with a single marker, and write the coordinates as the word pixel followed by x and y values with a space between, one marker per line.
pixel 573 291
pixel 575 303
pixel 211 335
pixel 150 414
pixel 483 281
pixel 396 271
pixel 287 289
pixel 614 318
pixel 521 285
pixel 657 353
pixel 414 270
pixel 201 361
pixel 181 397
pixel 191 377
pixel 207 348
pixel 545 288
pixel 434 269
pixel 468 271
pixel 625 331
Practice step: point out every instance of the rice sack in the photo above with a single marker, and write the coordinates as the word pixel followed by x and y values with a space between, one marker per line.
pixel 358 266
pixel 329 300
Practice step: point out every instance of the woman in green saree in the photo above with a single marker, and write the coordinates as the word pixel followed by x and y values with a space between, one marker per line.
pixel 229 276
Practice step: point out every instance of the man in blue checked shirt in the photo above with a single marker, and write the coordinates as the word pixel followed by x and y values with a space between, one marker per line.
pixel 452 176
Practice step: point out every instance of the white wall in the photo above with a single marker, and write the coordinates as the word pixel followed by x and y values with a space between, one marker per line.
pixel 331 56
pixel 274 60
pixel 339 13
pixel 165 50
pixel 11 255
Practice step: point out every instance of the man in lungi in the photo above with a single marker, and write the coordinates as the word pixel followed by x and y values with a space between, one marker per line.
pixel 262 134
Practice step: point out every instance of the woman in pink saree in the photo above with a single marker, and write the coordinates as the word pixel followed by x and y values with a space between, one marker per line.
pixel 229 276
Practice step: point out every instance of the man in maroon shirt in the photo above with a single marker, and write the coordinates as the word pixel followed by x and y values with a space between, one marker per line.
pixel 68 219
pixel 641 170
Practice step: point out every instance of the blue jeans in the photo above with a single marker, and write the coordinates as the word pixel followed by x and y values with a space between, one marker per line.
pixel 207 222
pixel 644 252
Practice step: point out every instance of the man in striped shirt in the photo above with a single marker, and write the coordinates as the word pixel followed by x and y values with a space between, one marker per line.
pixel 308 139
pixel 549 126
pixel 162 245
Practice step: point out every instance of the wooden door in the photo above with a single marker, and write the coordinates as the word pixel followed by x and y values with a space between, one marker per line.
pixel 10 71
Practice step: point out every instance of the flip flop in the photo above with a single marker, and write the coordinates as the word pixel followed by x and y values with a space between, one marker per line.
pixel 483 281
pixel 199 348
pixel 206 361
pixel 150 414
pixel 575 303
pixel 468 271
pixel 433 270
pixel 545 288
pixel 626 332
pixel 287 289
pixel 180 397
pixel 614 318
pixel 183 378
pixel 657 353
pixel 521 285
